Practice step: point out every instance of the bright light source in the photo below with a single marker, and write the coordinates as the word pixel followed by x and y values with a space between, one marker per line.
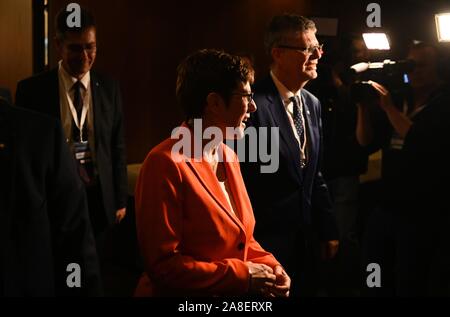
pixel 443 27
pixel 376 41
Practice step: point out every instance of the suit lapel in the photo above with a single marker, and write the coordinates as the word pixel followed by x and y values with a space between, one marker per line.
pixel 205 174
pixel 98 108
pixel 282 121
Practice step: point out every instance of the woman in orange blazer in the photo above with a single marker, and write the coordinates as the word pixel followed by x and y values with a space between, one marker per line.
pixel 194 218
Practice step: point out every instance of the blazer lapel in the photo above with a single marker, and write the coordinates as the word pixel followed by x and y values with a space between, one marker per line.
pixel 238 190
pixel 98 108
pixel 206 176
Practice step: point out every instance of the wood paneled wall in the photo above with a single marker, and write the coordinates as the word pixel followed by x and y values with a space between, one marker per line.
pixel 16 47
pixel 141 42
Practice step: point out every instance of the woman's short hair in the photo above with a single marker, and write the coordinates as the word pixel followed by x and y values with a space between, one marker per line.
pixel 207 71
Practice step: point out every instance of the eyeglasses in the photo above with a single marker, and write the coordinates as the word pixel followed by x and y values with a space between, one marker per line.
pixel 305 50
pixel 78 48
pixel 248 96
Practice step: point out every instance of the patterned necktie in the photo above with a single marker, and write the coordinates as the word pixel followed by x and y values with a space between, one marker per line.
pixel 300 127
pixel 298 120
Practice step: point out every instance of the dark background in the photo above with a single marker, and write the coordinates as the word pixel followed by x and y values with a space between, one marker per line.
pixel 141 42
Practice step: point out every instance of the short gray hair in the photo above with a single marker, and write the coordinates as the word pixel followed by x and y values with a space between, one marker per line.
pixel 282 25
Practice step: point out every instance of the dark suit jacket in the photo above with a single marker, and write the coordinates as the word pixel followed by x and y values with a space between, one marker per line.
pixel 44 219
pixel 289 202
pixel 41 93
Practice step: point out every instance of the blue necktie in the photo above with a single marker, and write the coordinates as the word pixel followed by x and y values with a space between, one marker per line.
pixel 298 120
pixel 299 126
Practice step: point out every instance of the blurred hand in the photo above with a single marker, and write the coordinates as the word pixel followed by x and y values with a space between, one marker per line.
pixel 283 283
pixel 328 249
pixel 120 214
pixel 261 278
pixel 385 97
pixel 400 121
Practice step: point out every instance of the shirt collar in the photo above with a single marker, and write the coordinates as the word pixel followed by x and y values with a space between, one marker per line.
pixel 284 92
pixel 69 80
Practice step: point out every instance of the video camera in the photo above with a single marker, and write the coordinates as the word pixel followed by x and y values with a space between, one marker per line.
pixel 391 74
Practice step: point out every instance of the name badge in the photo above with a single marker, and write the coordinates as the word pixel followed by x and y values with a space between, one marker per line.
pixel 397 142
pixel 82 152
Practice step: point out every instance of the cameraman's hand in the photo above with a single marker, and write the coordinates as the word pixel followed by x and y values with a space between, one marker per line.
pixel 262 278
pixel 398 120
pixel 386 102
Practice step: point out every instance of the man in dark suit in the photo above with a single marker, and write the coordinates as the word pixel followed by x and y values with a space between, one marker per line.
pixel 292 205
pixel 90 109
pixel 44 218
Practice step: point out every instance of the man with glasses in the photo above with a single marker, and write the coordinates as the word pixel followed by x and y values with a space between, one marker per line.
pixel 90 109
pixel 292 206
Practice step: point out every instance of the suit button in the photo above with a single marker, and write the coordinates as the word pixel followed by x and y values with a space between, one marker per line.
pixel 241 246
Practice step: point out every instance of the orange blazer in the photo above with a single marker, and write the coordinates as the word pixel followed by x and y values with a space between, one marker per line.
pixel 191 241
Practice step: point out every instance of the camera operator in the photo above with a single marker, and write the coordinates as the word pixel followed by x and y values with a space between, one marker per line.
pixel 406 235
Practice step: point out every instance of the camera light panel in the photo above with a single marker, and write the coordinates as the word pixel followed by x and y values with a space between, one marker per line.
pixel 376 41
pixel 443 27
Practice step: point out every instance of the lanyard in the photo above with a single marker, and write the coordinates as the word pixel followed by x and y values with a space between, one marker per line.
pixel 79 122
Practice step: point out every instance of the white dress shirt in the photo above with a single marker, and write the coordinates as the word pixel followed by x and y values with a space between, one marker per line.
pixel 66 83
pixel 285 95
